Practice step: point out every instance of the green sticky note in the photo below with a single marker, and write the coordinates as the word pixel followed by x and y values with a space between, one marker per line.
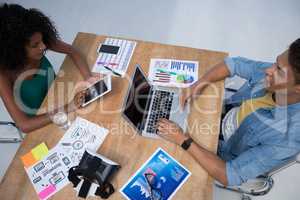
pixel 40 151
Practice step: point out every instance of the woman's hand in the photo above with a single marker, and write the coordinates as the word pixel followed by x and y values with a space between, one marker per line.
pixel 77 101
pixel 94 78
pixel 80 91
pixel 171 131
pixel 83 85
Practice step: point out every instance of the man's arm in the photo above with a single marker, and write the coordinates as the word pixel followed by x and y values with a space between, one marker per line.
pixel 231 66
pixel 217 73
pixel 215 166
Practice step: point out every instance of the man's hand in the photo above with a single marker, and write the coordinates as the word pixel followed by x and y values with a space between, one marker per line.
pixel 190 93
pixel 185 96
pixel 171 131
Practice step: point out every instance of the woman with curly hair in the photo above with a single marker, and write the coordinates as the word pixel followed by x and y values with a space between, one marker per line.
pixel 25 35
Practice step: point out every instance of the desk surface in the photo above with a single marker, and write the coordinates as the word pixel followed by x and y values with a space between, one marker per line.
pixel 122 144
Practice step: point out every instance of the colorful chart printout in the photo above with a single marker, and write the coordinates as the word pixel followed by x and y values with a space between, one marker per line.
pixel 173 73
pixel 158 179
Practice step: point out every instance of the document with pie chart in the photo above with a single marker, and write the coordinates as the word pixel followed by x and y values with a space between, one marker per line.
pixel 173 73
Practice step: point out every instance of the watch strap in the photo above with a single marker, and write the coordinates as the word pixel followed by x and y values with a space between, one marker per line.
pixel 187 143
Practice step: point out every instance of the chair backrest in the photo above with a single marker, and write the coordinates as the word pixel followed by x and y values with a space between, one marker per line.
pixel 256 187
pixel 298 158
pixel 4 115
pixel 263 184
pixel 288 163
pixel 9 133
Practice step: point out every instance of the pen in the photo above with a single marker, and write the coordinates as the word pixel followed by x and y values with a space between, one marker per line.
pixel 116 73
pixel 105 63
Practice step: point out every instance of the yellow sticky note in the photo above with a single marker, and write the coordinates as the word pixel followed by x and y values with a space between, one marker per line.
pixel 28 159
pixel 39 151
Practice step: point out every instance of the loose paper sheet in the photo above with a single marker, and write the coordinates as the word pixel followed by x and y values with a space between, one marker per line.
pixel 48 170
pixel 49 173
pixel 116 62
pixel 173 73
pixel 81 135
pixel 166 176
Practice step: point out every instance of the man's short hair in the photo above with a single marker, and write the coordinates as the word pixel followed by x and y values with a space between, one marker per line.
pixel 294 58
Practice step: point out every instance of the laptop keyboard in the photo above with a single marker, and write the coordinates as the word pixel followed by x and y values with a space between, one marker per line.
pixel 161 108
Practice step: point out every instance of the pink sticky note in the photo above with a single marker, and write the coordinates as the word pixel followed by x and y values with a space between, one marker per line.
pixel 47 191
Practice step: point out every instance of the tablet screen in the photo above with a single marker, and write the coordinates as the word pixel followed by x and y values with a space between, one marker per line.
pixel 94 91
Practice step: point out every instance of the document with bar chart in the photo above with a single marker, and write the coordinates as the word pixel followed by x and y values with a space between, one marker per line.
pixel 173 73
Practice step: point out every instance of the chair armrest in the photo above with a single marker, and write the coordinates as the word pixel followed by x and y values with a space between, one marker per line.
pixel 8 123
pixel 256 187
pixel 288 163
pixel 298 158
pixel 15 137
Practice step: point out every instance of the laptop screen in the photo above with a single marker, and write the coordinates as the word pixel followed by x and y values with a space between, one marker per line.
pixel 136 102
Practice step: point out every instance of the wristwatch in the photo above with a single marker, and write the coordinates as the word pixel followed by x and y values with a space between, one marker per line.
pixel 187 143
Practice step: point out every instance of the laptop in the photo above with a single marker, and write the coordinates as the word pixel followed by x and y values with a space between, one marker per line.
pixel 145 104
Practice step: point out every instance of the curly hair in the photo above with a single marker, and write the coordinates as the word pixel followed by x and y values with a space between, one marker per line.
pixel 294 58
pixel 17 25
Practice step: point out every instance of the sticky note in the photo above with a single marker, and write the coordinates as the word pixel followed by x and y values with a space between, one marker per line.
pixel 28 159
pixel 47 191
pixel 39 151
pixel 36 154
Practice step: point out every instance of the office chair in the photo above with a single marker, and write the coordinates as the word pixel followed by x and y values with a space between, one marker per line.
pixel 10 139
pixel 262 184
pixel 10 133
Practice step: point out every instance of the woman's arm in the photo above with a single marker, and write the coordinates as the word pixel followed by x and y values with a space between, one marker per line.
pixel 77 58
pixel 24 122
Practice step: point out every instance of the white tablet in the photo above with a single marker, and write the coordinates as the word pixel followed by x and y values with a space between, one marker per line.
pixel 97 90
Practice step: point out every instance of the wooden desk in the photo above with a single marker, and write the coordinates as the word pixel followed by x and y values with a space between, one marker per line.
pixel 122 144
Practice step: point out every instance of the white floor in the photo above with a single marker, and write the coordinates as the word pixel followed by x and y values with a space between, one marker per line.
pixel 252 28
